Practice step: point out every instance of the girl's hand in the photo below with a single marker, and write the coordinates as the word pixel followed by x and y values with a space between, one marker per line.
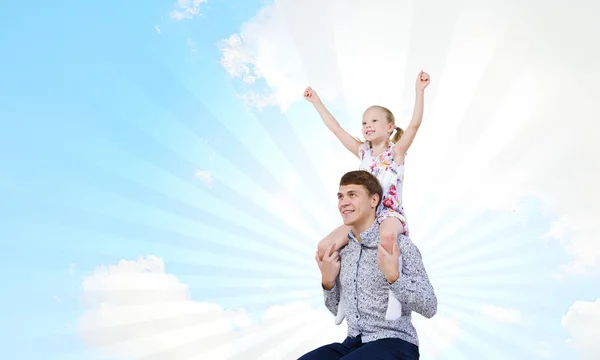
pixel 422 81
pixel 311 95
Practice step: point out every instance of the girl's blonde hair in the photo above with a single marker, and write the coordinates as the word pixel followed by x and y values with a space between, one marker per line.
pixel 395 135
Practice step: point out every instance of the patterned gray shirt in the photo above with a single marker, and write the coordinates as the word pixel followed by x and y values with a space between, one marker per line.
pixel 365 289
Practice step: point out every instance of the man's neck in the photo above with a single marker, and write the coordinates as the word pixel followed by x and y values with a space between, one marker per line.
pixel 362 227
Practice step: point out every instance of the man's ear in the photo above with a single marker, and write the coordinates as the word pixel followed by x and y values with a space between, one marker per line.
pixel 374 200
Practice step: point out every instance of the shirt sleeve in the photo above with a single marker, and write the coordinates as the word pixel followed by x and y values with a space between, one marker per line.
pixel 332 297
pixel 413 289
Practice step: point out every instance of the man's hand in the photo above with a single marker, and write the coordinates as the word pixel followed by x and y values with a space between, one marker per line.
pixel 388 263
pixel 329 266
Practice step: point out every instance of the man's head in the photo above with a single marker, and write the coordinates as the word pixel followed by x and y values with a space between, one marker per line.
pixel 358 197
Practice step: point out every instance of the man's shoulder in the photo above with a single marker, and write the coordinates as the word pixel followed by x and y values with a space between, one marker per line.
pixel 404 242
pixel 403 239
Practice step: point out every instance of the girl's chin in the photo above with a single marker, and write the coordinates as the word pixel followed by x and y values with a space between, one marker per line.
pixel 374 139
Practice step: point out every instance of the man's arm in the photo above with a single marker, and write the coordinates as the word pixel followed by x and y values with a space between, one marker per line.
pixel 332 296
pixel 330 271
pixel 413 289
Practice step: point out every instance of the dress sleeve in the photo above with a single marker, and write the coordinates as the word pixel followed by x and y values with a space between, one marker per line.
pixel 362 149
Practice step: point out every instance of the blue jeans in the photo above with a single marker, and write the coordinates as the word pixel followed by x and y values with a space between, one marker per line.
pixel 354 349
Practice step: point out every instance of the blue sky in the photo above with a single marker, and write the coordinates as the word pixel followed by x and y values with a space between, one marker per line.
pixel 125 135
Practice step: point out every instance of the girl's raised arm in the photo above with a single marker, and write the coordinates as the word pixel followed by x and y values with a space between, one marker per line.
pixel 349 142
pixel 401 147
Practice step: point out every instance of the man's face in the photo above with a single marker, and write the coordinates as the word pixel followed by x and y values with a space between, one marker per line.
pixel 355 204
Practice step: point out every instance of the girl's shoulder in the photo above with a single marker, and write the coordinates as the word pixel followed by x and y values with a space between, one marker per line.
pixel 363 149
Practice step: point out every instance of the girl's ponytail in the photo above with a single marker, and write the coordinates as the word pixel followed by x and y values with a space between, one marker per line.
pixel 397 135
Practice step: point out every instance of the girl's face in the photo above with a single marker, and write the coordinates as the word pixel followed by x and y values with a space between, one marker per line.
pixel 375 125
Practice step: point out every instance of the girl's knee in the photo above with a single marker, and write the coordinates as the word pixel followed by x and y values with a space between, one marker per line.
pixel 388 237
pixel 322 247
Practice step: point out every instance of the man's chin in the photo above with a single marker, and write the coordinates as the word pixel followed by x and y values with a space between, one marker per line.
pixel 348 220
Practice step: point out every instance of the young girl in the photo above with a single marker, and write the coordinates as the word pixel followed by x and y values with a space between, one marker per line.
pixel 382 155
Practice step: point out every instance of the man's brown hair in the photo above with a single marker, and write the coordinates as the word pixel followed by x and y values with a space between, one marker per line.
pixel 364 178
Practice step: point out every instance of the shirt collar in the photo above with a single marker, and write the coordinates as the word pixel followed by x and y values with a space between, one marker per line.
pixel 370 237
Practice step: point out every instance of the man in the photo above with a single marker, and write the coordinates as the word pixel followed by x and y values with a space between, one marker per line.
pixel 362 272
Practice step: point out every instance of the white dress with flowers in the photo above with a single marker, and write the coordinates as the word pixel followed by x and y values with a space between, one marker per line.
pixel 391 176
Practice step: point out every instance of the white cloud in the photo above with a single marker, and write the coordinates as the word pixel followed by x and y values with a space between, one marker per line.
pixel 238 60
pixel 256 100
pixel 503 315
pixel 135 309
pixel 511 118
pixel 578 232
pixel 582 321
pixel 436 334
pixel 204 176
pixel 157 29
pixel 265 49
pixel 187 9
pixel 303 327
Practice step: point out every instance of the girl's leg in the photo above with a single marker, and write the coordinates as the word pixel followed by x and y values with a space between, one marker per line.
pixel 339 236
pixel 389 229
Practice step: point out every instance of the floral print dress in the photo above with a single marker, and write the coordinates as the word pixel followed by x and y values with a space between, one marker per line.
pixel 391 176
